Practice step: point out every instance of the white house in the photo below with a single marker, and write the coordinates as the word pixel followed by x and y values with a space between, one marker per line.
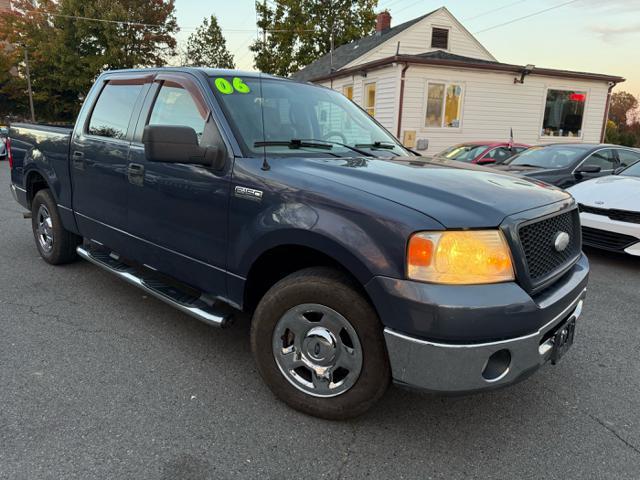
pixel 431 83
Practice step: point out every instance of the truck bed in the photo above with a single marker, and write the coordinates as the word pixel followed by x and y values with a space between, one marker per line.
pixel 43 148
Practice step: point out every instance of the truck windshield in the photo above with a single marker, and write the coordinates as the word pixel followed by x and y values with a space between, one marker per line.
pixel 299 117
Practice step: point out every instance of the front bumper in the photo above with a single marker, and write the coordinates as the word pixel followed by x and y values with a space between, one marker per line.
pixel 611 234
pixel 463 368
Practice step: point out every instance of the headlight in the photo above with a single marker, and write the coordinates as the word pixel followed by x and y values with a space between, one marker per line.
pixel 459 257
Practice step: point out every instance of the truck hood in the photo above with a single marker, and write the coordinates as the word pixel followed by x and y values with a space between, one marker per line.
pixel 456 194
pixel 612 192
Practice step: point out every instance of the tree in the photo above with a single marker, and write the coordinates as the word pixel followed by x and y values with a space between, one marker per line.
pixel 622 105
pixel 206 47
pixel 67 52
pixel 298 32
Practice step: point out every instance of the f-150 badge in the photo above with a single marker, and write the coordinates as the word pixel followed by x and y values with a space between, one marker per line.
pixel 248 193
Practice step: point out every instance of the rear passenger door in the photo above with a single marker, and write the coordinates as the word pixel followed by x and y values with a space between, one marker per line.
pixel 178 212
pixel 99 154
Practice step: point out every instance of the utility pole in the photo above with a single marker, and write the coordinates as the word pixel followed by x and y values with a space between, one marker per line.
pixel 331 35
pixel 26 63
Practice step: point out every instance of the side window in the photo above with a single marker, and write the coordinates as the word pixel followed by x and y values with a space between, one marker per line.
pixel 605 159
pixel 112 112
pixel 499 154
pixel 627 157
pixel 370 98
pixel 174 105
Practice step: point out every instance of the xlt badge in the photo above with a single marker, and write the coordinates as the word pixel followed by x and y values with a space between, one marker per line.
pixel 248 193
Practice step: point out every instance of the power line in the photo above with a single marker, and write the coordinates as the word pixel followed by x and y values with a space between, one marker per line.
pixel 526 16
pixel 494 10
pixel 408 6
pixel 77 17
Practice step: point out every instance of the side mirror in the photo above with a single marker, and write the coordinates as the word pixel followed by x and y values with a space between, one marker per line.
pixel 179 144
pixel 485 161
pixel 588 169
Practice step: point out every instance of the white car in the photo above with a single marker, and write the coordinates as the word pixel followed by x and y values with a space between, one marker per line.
pixel 3 149
pixel 610 210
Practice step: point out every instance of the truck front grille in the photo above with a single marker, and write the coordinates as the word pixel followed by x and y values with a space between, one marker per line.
pixel 538 238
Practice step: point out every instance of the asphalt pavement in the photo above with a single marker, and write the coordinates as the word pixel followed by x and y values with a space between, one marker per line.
pixel 98 380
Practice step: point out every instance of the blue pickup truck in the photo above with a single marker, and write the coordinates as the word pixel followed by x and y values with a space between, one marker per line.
pixel 219 191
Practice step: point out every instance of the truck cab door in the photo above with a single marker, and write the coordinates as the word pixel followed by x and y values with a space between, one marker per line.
pixel 99 155
pixel 178 212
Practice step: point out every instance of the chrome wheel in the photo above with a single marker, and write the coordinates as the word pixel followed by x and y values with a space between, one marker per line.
pixel 317 350
pixel 44 231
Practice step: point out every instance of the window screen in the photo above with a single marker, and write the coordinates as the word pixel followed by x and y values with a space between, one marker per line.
pixel 112 112
pixel 440 38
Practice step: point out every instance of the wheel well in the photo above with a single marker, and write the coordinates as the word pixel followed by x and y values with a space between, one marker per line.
pixel 275 264
pixel 35 183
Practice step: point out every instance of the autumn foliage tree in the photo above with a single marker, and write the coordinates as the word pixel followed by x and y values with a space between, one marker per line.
pixel 623 126
pixel 300 31
pixel 67 52
pixel 207 47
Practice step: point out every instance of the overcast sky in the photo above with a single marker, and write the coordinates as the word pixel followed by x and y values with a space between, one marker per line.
pixel 598 36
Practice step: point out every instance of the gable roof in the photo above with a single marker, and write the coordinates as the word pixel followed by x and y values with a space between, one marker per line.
pixel 446 59
pixel 345 54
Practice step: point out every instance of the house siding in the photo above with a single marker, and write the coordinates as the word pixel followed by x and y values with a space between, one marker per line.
pixel 386 80
pixel 492 104
pixel 417 39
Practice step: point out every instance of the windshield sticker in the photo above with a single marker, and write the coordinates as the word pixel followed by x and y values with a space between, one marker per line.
pixel 224 86
pixel 240 86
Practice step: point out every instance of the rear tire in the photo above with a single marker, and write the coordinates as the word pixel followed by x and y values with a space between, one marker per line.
pixel 318 345
pixel 56 245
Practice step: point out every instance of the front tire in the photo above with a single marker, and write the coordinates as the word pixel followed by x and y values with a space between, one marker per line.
pixel 56 245
pixel 319 346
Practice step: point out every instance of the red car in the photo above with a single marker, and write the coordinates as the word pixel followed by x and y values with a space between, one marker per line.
pixel 482 153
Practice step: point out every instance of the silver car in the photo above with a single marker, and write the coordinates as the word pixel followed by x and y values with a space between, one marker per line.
pixel 4 132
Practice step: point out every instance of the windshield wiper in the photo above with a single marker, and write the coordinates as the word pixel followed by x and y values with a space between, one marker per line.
pixel 294 144
pixel 523 165
pixel 380 145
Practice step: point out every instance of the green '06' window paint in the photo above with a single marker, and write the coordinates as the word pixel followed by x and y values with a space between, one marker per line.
pixel 223 86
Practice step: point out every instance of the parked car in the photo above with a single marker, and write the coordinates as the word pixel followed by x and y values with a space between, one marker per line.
pixel 566 164
pixel 4 132
pixel 482 152
pixel 610 211
pixel 218 191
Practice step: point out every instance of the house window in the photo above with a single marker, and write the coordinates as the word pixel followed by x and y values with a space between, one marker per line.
pixel 444 104
pixel 370 98
pixel 440 38
pixel 347 91
pixel 563 113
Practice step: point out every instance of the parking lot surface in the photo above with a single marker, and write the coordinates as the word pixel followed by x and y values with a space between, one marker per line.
pixel 98 380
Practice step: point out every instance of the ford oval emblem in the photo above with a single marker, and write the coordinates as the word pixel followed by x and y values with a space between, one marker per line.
pixel 561 242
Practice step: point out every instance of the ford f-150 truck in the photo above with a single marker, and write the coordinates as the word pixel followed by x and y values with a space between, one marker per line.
pixel 220 191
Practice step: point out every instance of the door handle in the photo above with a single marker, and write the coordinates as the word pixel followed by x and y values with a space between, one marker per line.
pixel 78 160
pixel 136 174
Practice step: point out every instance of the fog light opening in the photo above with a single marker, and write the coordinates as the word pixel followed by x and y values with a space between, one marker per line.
pixel 497 366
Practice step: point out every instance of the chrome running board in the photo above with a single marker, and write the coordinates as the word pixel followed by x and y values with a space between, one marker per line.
pixel 194 306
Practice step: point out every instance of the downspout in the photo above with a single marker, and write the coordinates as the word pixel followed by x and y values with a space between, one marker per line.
pixel 401 101
pixel 606 112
